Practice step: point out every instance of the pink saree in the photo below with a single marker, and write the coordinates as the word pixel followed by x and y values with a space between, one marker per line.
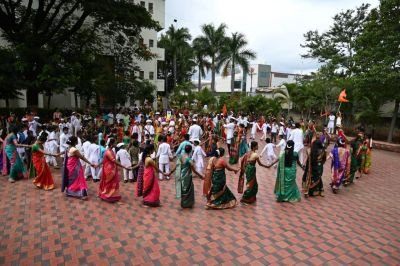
pixel 109 183
pixel 73 178
pixel 151 190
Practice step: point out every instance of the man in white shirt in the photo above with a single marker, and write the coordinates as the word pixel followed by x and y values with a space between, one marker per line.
pixel 195 131
pixel 125 159
pixel 136 129
pixel 34 125
pixel 93 152
pixel 331 123
pixel 230 128
pixel 52 146
pixel 148 128
pixel 269 150
pixel 63 141
pixel 297 136
pixel 85 149
pixel 164 154
pixel 110 120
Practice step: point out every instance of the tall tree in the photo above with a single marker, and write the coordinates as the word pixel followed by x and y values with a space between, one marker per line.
pixel 39 30
pixel 201 60
pixel 176 43
pixel 10 84
pixel 378 57
pixel 235 53
pixel 336 46
pixel 214 40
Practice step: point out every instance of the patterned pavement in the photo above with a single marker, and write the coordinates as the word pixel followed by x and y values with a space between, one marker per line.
pixel 358 226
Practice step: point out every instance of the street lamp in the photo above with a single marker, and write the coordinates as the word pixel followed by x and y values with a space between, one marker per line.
pixel 252 73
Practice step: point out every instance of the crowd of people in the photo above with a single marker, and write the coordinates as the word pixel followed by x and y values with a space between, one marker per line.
pixel 142 145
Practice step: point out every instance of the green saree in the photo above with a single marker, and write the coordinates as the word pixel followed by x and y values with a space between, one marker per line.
pixel 187 187
pixel 249 195
pixel 221 197
pixel 285 186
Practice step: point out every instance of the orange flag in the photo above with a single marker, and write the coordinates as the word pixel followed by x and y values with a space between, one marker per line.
pixel 224 110
pixel 342 96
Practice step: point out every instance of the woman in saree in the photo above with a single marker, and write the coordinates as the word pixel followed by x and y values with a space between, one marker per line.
pixel 17 168
pixel 109 183
pixel 187 169
pixel 3 156
pixel 248 167
pixel 355 161
pixel 234 150
pixel 151 189
pixel 73 177
pixel 340 164
pixel 365 155
pixel 219 196
pixel 43 178
pixel 243 148
pixel 312 178
pixel 286 189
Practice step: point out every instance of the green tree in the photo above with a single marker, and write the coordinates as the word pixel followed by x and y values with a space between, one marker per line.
pixel 378 53
pixel 213 40
pixel 201 60
pixel 182 94
pixel 39 31
pixel 235 53
pixel 176 44
pixel 144 91
pixel 9 76
pixel 205 97
pixel 336 46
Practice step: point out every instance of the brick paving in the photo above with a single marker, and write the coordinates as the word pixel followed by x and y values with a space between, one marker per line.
pixel 358 226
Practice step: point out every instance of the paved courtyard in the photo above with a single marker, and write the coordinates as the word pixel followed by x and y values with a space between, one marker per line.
pixel 358 226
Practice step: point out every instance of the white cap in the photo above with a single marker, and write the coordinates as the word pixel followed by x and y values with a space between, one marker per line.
pixel 194 120
pixel 121 144
pixel 148 121
pixel 172 123
pixel 36 117
pixel 24 119
pixel 164 123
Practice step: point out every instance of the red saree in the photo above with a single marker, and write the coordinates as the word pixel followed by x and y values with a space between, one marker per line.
pixel 109 184
pixel 43 178
pixel 151 190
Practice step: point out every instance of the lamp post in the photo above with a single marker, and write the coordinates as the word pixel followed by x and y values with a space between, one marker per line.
pixel 252 73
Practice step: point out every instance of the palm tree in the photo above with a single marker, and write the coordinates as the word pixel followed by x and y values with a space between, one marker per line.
pixel 200 57
pixel 235 53
pixel 213 41
pixel 282 94
pixel 173 41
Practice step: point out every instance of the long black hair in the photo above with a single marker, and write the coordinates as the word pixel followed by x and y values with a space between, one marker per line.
pixel 289 149
pixel 315 151
pixel 147 151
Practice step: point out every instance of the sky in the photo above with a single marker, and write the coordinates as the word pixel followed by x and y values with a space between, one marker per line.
pixel 274 29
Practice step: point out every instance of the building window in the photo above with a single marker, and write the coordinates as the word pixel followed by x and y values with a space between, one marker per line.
pixel 142 3
pixel 263 74
pixel 151 75
pixel 151 43
pixel 160 69
pixel 141 74
pixel 151 8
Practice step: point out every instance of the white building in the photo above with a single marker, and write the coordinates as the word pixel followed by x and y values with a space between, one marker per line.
pixel 148 68
pixel 260 77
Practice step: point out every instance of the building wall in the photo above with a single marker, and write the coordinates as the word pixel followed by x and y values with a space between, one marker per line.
pixel 66 99
pixel 278 79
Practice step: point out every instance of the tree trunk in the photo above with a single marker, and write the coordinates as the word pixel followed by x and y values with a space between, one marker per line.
pixel 48 100
pixel 174 84
pixel 233 76
pixel 393 123
pixel 7 103
pixel 76 99
pixel 213 75
pixel 199 84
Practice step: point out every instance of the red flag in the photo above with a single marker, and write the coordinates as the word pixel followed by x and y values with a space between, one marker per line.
pixel 224 110
pixel 342 96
